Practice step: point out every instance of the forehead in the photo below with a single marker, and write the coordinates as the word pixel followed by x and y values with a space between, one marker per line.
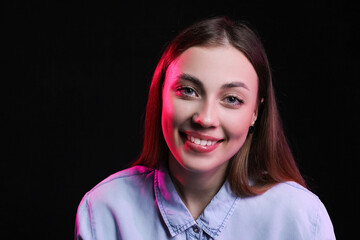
pixel 220 65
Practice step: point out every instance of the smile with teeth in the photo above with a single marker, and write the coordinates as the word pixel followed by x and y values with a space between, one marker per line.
pixel 201 142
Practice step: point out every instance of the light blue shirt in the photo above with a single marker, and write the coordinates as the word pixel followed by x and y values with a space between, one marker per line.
pixel 142 203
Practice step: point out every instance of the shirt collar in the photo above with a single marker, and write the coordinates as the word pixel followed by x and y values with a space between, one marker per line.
pixel 178 218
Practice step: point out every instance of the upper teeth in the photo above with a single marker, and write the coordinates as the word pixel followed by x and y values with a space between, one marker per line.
pixel 202 142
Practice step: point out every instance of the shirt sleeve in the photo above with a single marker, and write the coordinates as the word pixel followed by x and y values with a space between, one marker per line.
pixel 324 228
pixel 83 229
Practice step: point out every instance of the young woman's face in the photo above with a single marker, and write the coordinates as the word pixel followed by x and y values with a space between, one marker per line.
pixel 209 102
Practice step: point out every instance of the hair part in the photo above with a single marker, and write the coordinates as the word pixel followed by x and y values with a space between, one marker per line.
pixel 265 157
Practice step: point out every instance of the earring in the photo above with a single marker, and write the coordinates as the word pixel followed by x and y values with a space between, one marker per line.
pixel 251 129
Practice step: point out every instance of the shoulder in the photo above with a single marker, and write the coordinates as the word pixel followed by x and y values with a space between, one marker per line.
pixel 288 202
pixel 293 198
pixel 116 197
pixel 285 211
pixel 124 183
pixel 301 207
pixel 293 193
pixel 124 175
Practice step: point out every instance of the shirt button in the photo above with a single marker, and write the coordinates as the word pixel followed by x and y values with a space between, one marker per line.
pixel 196 229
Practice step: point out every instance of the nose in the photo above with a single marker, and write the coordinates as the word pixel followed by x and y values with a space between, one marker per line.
pixel 207 116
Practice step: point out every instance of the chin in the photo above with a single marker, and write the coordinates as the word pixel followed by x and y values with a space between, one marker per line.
pixel 202 164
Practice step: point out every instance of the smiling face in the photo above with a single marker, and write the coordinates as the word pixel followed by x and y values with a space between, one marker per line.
pixel 209 102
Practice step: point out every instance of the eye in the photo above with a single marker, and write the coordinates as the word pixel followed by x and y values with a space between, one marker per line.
pixel 186 92
pixel 233 101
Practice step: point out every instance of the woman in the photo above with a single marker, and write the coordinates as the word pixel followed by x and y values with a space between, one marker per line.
pixel 215 162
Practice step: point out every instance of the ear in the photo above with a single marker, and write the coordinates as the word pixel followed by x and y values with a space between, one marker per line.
pixel 255 115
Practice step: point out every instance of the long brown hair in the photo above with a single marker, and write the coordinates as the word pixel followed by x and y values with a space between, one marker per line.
pixel 265 158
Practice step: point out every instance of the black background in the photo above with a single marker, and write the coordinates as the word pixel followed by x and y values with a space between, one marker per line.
pixel 76 76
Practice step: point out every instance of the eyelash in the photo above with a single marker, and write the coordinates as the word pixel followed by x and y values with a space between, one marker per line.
pixel 181 91
pixel 237 103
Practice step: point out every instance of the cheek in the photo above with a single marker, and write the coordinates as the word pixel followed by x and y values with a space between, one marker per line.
pixel 175 114
pixel 236 123
pixel 183 110
pixel 167 116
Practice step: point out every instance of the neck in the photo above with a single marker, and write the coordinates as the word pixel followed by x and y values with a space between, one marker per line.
pixel 196 189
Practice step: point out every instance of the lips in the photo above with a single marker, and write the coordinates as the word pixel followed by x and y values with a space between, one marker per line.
pixel 200 143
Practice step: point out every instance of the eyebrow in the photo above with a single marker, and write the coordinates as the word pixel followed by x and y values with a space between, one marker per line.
pixel 195 80
pixel 234 85
pixel 188 77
